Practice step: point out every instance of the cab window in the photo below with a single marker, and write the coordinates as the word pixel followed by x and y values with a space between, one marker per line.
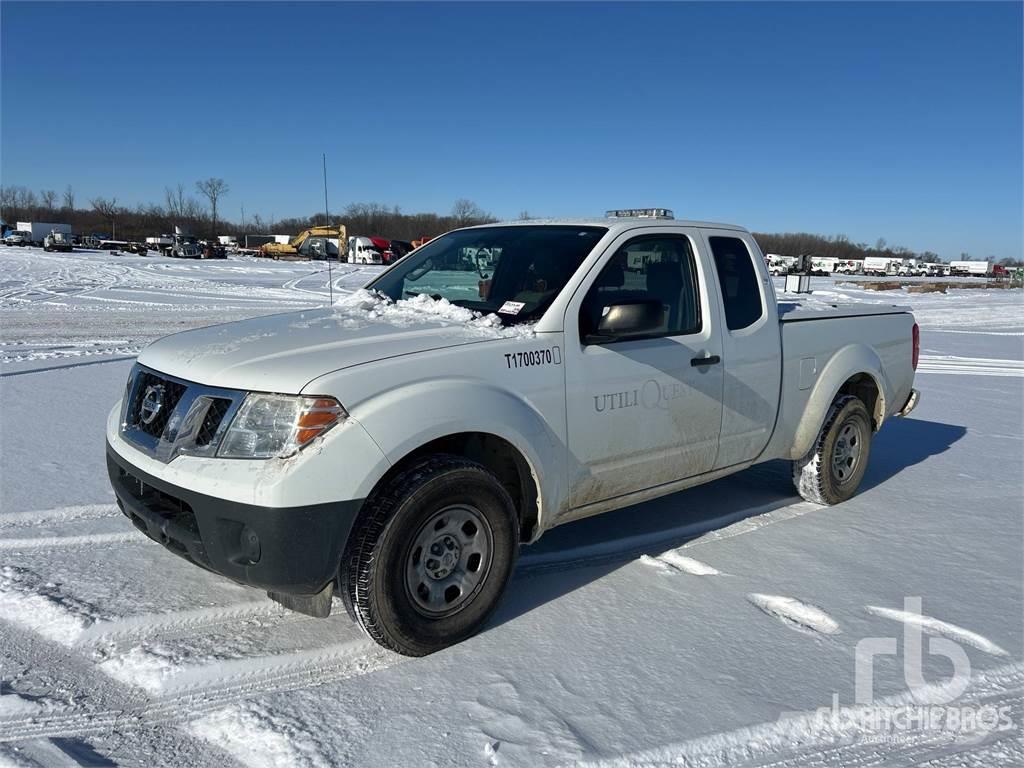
pixel 738 280
pixel 651 267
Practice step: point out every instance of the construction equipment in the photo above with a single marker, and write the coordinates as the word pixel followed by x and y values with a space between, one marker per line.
pixel 313 243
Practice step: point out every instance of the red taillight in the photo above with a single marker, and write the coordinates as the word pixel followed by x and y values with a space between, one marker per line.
pixel 917 345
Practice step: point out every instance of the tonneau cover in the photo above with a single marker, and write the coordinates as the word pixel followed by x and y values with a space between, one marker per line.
pixel 792 311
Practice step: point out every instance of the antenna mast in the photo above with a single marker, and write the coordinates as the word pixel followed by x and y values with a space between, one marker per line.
pixel 327 222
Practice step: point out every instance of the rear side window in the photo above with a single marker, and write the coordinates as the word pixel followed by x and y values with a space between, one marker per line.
pixel 737 277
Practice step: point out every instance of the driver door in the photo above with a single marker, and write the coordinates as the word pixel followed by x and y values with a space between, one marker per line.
pixel 643 411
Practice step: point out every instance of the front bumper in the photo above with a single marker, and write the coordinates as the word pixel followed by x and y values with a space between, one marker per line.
pixel 291 550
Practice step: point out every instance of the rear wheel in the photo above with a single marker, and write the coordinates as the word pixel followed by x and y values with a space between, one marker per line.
pixel 431 555
pixel 833 470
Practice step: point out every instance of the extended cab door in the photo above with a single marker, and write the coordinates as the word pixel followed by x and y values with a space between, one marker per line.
pixel 645 409
pixel 751 345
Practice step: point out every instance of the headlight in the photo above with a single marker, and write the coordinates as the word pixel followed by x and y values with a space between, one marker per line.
pixel 278 425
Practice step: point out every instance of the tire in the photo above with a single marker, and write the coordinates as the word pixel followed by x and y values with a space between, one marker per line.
pixel 835 466
pixel 425 528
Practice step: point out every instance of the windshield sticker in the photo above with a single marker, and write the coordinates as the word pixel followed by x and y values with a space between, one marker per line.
pixel 551 356
pixel 511 307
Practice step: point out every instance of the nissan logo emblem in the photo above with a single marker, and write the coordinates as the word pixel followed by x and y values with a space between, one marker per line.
pixel 152 403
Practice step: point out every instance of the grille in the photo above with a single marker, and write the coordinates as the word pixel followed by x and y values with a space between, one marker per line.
pixel 172 394
pixel 214 416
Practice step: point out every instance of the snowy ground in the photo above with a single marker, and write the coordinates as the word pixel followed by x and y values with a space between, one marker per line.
pixel 702 629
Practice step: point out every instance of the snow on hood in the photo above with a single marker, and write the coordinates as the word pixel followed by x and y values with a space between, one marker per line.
pixel 282 353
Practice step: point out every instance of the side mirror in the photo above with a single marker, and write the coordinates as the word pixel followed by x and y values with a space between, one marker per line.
pixel 628 319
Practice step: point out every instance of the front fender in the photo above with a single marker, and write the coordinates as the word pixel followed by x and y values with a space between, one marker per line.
pixel 407 417
pixel 849 361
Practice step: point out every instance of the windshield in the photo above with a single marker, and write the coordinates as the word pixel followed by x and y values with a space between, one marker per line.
pixel 514 271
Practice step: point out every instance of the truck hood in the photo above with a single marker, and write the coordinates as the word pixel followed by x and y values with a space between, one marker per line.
pixel 283 353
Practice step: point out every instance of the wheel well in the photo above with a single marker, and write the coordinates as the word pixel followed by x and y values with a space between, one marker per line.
pixel 864 387
pixel 500 457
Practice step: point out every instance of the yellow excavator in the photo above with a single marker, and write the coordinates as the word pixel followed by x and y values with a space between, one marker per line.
pixel 313 243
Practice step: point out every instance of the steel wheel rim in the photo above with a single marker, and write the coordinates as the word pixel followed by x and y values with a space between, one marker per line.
pixel 449 560
pixel 847 451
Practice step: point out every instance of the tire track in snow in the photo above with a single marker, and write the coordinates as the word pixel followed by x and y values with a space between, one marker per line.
pixel 970 366
pixel 795 614
pixel 147 625
pixel 59 515
pixel 85 540
pixel 935 626
pixel 199 692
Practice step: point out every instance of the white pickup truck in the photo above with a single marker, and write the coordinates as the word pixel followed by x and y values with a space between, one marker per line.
pixel 398 446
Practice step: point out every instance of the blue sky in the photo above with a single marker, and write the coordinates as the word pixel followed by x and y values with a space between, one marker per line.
pixel 901 121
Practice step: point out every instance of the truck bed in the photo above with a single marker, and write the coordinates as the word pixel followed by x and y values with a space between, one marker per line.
pixel 818 356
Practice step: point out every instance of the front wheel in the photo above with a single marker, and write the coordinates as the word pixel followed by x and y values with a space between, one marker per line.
pixel 835 466
pixel 431 555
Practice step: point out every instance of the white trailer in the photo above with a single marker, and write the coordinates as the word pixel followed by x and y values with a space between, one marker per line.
pixel 38 230
pixel 880 266
pixel 849 266
pixel 956 268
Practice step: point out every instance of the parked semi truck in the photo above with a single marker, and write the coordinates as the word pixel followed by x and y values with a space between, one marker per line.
pixel 552 385
pixel 956 268
pixel 37 230
pixel 881 266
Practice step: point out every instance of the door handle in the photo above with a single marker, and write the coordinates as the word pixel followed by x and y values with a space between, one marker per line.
pixel 709 360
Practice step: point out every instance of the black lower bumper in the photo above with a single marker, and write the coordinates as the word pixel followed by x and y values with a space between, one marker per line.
pixel 293 550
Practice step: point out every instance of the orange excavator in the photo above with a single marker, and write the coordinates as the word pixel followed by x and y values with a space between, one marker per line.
pixel 313 243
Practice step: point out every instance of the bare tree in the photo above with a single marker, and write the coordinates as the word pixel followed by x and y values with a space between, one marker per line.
pixel 213 189
pixel 175 199
pixel 467 212
pixel 8 200
pixel 108 210
pixel 26 198
pixel 49 198
pixel 524 215
pixel 69 198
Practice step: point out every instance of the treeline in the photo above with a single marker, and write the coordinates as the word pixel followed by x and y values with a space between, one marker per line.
pixel 104 216
pixel 837 247
pixel 841 247
pixel 198 215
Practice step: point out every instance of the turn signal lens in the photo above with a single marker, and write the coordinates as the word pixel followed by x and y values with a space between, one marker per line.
pixel 323 414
